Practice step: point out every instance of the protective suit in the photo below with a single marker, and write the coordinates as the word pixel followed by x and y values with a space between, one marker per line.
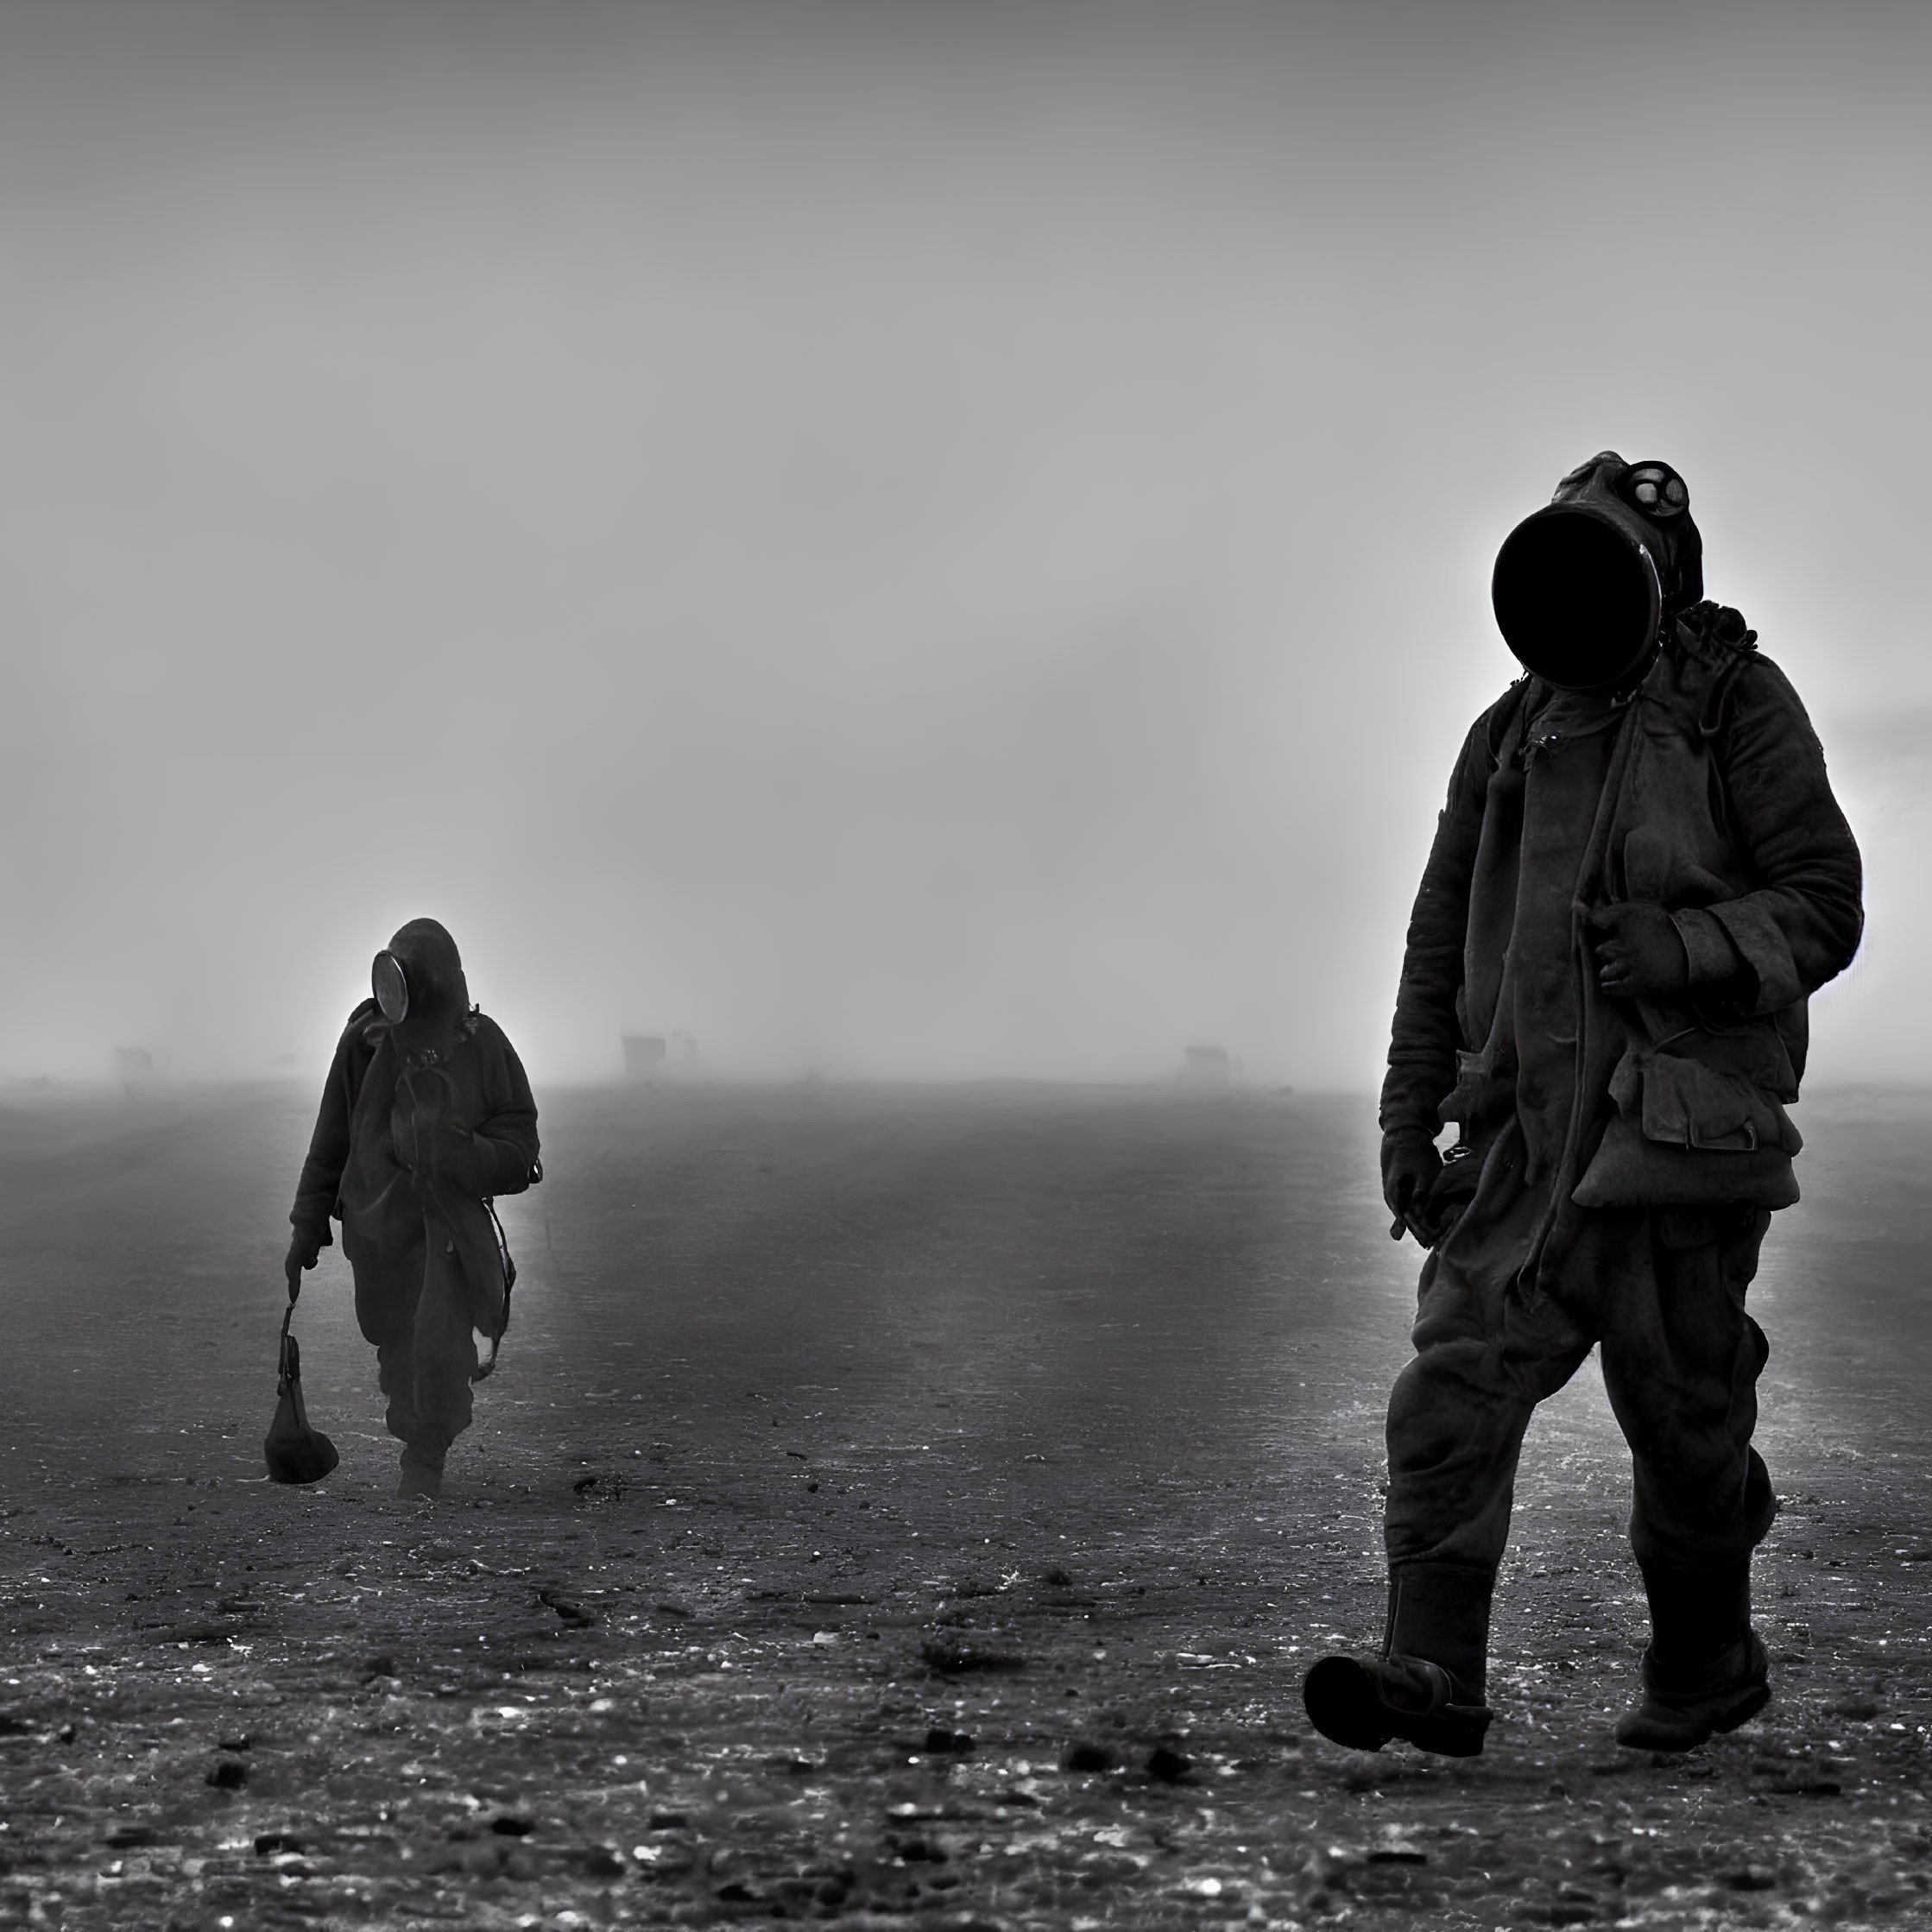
pixel 427 1114
pixel 1639 874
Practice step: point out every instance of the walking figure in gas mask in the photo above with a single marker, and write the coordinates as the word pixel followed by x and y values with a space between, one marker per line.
pixel 1640 875
pixel 426 1116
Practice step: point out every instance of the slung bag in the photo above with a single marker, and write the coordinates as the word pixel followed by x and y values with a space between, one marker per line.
pixel 295 1451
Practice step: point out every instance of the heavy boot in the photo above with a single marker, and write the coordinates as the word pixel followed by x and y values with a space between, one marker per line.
pixel 1705 1669
pixel 422 1473
pixel 1427 1685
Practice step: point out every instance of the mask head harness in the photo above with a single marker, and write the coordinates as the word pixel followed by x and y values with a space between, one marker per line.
pixel 1582 588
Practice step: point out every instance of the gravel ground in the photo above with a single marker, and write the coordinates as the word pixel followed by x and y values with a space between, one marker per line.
pixel 897 1506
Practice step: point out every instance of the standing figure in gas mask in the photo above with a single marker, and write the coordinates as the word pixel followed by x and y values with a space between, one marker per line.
pixel 426 1115
pixel 1640 875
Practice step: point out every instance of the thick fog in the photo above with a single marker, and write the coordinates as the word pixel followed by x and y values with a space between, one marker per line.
pixel 897 540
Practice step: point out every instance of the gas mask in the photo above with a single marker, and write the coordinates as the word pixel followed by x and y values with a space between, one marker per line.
pixel 419 985
pixel 390 983
pixel 1582 588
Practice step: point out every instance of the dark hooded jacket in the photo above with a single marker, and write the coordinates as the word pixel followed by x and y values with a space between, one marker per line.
pixel 1716 807
pixel 421 1119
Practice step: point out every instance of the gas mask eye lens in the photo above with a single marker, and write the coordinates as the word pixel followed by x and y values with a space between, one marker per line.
pixel 1656 490
pixel 390 986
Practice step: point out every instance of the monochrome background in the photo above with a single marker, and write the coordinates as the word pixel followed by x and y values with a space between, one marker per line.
pixel 900 541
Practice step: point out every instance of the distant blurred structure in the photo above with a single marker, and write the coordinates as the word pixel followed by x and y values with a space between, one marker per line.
pixel 647 1055
pixel 643 1055
pixel 1209 1067
pixel 133 1067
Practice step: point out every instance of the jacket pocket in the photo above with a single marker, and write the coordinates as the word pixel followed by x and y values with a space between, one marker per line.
pixel 1685 1134
pixel 1681 1102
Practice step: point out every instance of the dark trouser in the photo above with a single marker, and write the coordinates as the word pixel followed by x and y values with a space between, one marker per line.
pixel 1662 1290
pixel 426 1351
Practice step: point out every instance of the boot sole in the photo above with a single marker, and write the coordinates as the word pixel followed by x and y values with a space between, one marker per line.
pixel 1344 1705
pixel 1744 1710
pixel 1729 1716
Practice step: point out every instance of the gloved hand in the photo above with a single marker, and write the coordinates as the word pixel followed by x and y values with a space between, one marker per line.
pixel 1640 953
pixel 305 1250
pixel 1410 1165
pixel 471 1163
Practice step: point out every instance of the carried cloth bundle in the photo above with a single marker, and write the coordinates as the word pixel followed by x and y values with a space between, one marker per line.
pixel 295 1451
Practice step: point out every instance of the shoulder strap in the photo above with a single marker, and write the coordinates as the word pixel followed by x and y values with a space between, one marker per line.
pixel 1709 645
pixel 1504 716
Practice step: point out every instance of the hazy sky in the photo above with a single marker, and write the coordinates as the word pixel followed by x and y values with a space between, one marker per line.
pixel 898 538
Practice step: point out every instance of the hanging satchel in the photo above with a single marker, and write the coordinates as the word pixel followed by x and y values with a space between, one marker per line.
pixel 508 1265
pixel 295 1451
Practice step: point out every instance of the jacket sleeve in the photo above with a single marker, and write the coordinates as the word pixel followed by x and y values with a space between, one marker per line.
pixel 499 1154
pixel 1426 1032
pixel 328 1147
pixel 1800 925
